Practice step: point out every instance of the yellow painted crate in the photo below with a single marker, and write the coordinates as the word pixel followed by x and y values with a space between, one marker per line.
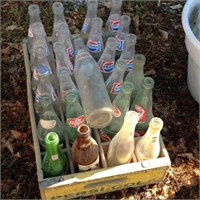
pixel 104 180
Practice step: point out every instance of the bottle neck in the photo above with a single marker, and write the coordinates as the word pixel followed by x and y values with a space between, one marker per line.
pixel 59 17
pixel 79 47
pixel 34 17
pixel 91 10
pixel 52 149
pixel 96 30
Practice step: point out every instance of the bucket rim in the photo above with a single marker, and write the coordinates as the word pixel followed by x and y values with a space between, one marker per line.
pixel 188 8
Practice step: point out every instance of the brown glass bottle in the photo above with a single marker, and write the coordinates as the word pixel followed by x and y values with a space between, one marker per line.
pixel 85 150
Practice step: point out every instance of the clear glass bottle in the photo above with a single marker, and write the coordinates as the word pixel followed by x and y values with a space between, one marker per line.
pixel 85 150
pixel 143 105
pixel 136 75
pixel 74 114
pixel 92 90
pixel 48 120
pixel 55 162
pixel 40 39
pixel 148 146
pixel 59 17
pixel 45 86
pixel 90 14
pixel 40 60
pixel 115 80
pixel 63 37
pixel 128 52
pixel 122 146
pixel 62 59
pixel 121 105
pixel 66 84
pixel 107 60
pixel 34 16
pixel 123 31
pixel 95 44
pixel 113 22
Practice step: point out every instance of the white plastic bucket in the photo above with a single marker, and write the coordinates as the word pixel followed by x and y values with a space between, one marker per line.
pixel 193 48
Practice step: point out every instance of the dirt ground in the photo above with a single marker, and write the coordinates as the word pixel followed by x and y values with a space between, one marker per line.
pixel 161 39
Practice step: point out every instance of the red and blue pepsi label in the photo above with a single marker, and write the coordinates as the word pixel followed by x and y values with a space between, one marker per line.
pixel 106 66
pixel 120 44
pixel 129 64
pixel 70 67
pixel 70 51
pixel 94 46
pixel 84 27
pixel 114 25
pixel 116 87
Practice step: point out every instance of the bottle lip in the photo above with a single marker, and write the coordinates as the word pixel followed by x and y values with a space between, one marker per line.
pixel 38 28
pixel 148 83
pixel 42 70
pixel 125 20
pixel 140 58
pixel 97 21
pixel 116 3
pixel 52 138
pixel 127 87
pixel 63 72
pixel 71 95
pixel 58 7
pixel 156 123
pixel 46 99
pixel 121 64
pixel 132 116
pixel 57 45
pixel 33 8
pixel 112 42
pixel 83 130
pixel 131 38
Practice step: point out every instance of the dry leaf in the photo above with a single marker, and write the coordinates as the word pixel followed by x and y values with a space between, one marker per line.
pixel 11 28
pixel 164 34
pixel 8 145
pixel 108 4
pixel 174 7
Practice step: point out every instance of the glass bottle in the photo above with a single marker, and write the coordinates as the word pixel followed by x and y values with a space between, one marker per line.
pixel 113 22
pixel 40 39
pixel 59 17
pixel 107 60
pixel 45 86
pixel 74 114
pixel 123 31
pixel 40 60
pixel 95 44
pixel 136 75
pixel 115 80
pixel 128 52
pixel 62 59
pixel 121 105
pixel 48 120
pixel 148 146
pixel 122 146
pixel 85 150
pixel 66 84
pixel 63 37
pixel 143 105
pixel 196 27
pixel 90 14
pixel 55 162
pixel 34 16
pixel 92 90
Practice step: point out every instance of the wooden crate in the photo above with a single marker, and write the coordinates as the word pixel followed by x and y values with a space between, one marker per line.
pixel 104 180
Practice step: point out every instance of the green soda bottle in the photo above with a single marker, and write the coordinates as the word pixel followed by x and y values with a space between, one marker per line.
pixel 55 162
pixel 120 105
pixel 143 105
pixel 49 120
pixel 74 114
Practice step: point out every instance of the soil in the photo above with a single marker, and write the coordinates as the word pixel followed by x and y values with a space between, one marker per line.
pixel 161 39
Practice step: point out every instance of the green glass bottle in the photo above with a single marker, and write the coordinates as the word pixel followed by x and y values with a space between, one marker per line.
pixel 120 105
pixel 55 162
pixel 74 114
pixel 143 105
pixel 48 120
pixel 136 74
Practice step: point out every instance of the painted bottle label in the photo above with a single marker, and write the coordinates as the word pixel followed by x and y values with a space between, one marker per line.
pixel 120 44
pixel 47 124
pixel 104 137
pixel 70 67
pixel 117 112
pixel 114 25
pixel 70 51
pixel 92 166
pixel 76 122
pixel 53 94
pixel 84 27
pixel 106 66
pixel 137 134
pixel 54 157
pixel 116 87
pixel 94 46
pixel 142 112
pixel 30 33
pixel 129 64
pixel 37 96
pixel 35 74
